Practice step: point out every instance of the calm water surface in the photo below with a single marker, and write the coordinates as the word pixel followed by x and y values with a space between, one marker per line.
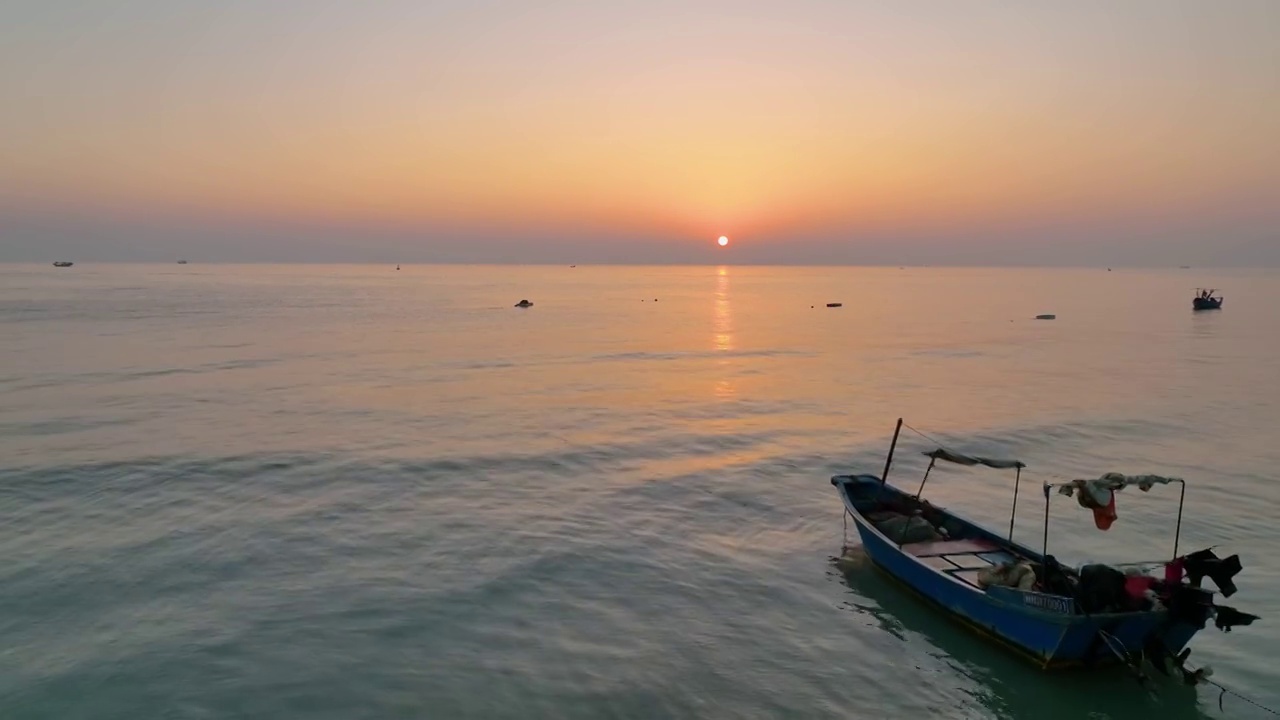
pixel 352 492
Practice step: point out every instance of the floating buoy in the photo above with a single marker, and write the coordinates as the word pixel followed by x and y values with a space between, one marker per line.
pixel 835 304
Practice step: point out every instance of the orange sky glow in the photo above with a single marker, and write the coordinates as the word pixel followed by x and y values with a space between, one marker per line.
pixel 675 121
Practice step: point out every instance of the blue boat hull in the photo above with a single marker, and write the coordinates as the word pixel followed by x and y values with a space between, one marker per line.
pixel 1046 629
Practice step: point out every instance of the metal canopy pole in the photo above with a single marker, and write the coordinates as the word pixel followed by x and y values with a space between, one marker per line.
pixel 1044 551
pixel 925 479
pixel 1177 533
pixel 889 460
pixel 1014 513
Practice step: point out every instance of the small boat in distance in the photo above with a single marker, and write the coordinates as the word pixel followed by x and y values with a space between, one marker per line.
pixel 524 303
pixel 1055 615
pixel 182 262
pixel 63 263
pixel 1205 300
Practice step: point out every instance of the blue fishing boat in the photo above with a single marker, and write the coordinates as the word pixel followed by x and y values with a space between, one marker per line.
pixel 1206 300
pixel 1056 616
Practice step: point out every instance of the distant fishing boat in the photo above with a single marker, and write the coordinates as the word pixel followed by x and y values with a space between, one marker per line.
pixel 182 262
pixel 63 263
pixel 1052 614
pixel 1205 300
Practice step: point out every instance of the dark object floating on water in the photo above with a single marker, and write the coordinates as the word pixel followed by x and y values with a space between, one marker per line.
pixel 397 267
pixel 1049 612
pixel 1047 316
pixel 1205 300
pixel 63 263
pixel 573 266
pixel 835 304
pixel 182 262
pixel 524 303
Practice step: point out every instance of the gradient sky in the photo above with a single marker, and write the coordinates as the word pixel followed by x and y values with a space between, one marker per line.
pixel 1087 132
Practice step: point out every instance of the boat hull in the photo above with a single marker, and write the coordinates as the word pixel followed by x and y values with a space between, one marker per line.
pixel 1045 629
pixel 1206 303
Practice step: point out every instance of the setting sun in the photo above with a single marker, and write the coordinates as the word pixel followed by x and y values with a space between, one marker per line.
pixel 723 241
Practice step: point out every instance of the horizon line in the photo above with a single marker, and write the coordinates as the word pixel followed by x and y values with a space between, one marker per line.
pixel 482 263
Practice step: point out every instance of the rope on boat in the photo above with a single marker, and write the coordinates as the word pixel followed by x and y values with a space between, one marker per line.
pixel 933 440
pixel 939 443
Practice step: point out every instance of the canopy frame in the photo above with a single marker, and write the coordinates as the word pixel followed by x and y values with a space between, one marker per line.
pixel 1177 530
pixel 968 461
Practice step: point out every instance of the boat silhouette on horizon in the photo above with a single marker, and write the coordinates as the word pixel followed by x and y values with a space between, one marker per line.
pixel 1206 300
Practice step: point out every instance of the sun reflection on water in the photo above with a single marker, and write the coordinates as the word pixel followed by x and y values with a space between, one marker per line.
pixel 722 323
pixel 722 335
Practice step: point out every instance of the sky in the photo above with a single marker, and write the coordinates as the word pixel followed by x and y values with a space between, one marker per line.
pixel 1144 132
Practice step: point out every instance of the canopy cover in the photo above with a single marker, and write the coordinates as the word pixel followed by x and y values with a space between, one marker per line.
pixel 957 458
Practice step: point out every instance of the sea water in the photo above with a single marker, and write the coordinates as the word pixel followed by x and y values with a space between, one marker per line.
pixel 355 492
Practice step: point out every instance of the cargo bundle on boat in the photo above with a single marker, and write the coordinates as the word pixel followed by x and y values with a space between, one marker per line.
pixel 1056 616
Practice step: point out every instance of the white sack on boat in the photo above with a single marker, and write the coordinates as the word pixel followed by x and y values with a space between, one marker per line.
pixel 1018 575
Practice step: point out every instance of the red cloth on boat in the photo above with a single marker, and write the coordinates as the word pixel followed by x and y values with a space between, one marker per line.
pixel 1173 571
pixel 1104 516
pixel 1091 497
pixel 1136 586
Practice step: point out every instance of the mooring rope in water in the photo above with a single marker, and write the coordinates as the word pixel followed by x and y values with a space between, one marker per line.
pixel 1224 691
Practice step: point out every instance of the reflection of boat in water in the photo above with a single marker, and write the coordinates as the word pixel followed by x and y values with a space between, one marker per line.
pixel 63 263
pixel 1008 687
pixel 1054 615
pixel 1205 300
